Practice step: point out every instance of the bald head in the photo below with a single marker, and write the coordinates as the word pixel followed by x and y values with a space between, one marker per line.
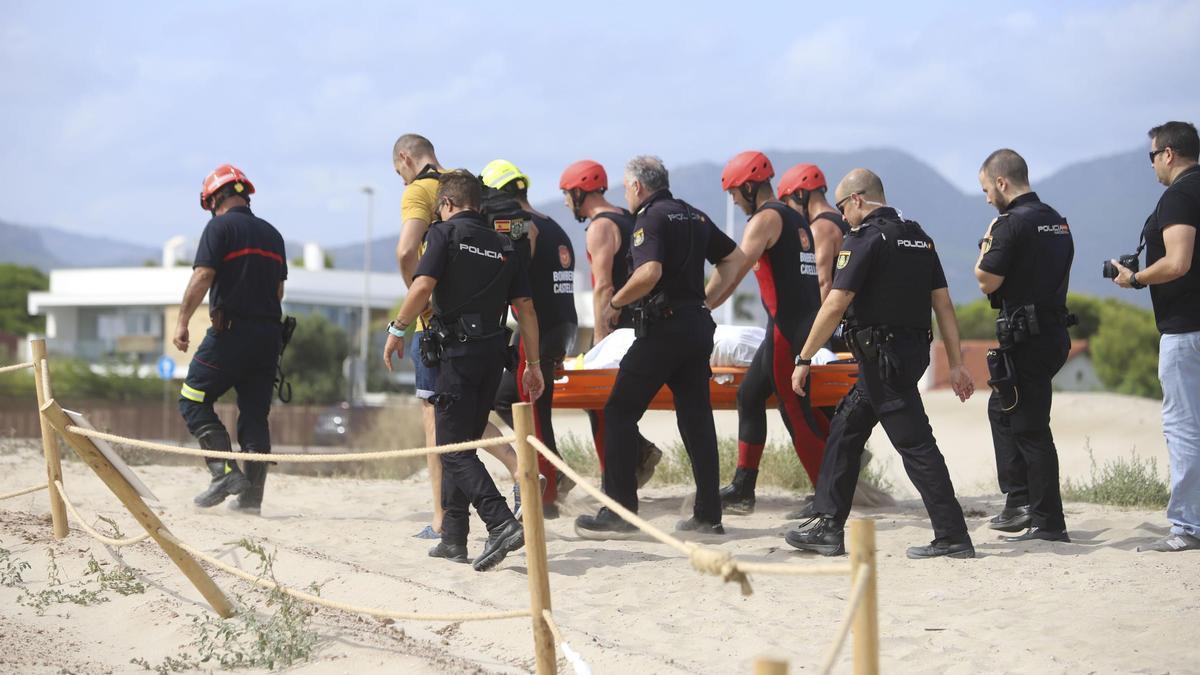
pixel 863 182
pixel 412 145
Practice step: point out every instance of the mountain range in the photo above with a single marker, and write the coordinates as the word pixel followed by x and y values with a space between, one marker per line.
pixel 1105 200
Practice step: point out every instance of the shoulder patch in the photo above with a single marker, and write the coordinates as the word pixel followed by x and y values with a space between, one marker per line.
pixel 564 256
pixel 639 235
pixel 805 243
pixel 843 259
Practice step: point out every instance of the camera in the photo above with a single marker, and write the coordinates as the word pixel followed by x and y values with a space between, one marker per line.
pixel 1130 261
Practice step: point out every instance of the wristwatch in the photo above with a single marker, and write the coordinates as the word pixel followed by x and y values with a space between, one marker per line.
pixel 803 361
pixel 1134 283
pixel 396 329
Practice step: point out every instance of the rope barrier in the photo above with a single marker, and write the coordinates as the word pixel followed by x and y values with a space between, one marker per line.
pixel 581 667
pixel 301 459
pixel 341 606
pixel 22 491
pixel 705 559
pixel 16 366
pixel 94 534
pixel 856 596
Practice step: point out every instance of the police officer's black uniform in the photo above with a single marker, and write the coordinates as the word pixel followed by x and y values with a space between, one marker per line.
pixel 1032 248
pixel 477 273
pixel 552 282
pixel 241 350
pixel 673 349
pixel 891 266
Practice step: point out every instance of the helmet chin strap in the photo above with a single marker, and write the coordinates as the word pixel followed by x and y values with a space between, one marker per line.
pixel 749 192
pixel 577 198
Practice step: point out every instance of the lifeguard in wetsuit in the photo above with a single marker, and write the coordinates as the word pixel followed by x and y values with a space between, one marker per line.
pixel 779 248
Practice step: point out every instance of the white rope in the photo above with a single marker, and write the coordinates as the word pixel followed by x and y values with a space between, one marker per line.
pixel 22 491
pixel 16 366
pixel 94 534
pixel 581 667
pixel 317 600
pixel 857 592
pixel 282 457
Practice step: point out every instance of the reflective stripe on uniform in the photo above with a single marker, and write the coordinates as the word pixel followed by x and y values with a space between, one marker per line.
pixel 191 393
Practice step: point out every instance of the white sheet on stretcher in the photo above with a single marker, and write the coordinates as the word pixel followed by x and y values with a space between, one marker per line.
pixel 732 346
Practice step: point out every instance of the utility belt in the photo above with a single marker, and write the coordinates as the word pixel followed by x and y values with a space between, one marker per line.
pixel 440 335
pixel 655 308
pixel 873 344
pixel 1015 325
pixel 222 319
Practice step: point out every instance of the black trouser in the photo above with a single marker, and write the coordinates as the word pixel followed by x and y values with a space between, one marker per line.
pixel 896 404
pixel 465 393
pixel 554 344
pixel 1026 459
pixel 242 357
pixel 770 372
pixel 675 352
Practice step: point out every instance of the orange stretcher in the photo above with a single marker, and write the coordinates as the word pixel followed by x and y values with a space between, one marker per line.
pixel 589 389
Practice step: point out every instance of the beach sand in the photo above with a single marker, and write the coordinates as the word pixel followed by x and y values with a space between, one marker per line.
pixel 637 606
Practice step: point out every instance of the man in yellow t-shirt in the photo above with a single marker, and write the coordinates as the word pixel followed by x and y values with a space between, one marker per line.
pixel 415 161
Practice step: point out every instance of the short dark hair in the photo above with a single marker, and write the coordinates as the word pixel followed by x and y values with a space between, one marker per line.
pixel 461 188
pixel 413 145
pixel 1178 136
pixel 1007 164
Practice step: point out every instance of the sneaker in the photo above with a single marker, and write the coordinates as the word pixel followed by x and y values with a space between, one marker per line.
pixel 1173 543
pixel 452 552
pixel 427 533
pixel 650 457
pixel 694 524
pixel 940 547
pixel 826 537
pixel 1012 519
pixel 517 495
pixel 505 539
pixel 604 525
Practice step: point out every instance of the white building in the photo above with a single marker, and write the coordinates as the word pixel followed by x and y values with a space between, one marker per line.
pixel 129 313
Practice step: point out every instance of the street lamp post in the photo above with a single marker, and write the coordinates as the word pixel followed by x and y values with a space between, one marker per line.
pixel 364 328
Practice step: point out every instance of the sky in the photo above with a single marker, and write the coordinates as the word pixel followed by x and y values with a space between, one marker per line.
pixel 114 112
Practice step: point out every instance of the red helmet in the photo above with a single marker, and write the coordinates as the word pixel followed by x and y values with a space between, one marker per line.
pixel 746 167
pixel 585 175
pixel 220 177
pixel 801 177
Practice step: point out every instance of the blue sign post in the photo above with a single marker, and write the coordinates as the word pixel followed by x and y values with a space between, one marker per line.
pixel 166 367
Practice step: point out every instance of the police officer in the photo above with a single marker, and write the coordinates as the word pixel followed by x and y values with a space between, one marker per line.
pixel 551 270
pixel 1024 266
pixel 888 278
pixel 240 262
pixel 778 245
pixel 803 188
pixel 671 241
pixel 609 234
pixel 472 273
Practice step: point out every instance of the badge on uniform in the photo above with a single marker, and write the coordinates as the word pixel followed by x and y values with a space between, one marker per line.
pixel 843 259
pixel 564 256
pixel 515 229
pixel 639 235
pixel 804 241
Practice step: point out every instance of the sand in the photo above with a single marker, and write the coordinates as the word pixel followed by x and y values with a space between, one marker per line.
pixel 636 606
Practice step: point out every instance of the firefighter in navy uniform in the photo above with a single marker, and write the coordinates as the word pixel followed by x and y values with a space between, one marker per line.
pixel 888 279
pixel 609 235
pixel 1024 267
pixel 472 274
pixel 551 269
pixel 671 241
pixel 241 258
pixel 779 247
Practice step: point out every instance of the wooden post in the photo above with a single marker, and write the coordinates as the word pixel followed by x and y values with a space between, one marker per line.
pixel 89 453
pixel 41 385
pixel 535 539
pixel 866 619
pixel 765 666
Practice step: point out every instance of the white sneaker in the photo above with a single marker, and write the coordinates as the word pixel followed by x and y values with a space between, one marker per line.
pixel 1173 543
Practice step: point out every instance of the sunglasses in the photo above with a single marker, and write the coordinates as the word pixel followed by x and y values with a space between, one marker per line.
pixel 841 205
pixel 1156 153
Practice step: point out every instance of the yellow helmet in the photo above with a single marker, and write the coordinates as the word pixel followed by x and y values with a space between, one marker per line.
pixel 501 172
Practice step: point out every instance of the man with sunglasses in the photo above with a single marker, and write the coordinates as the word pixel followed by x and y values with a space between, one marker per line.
pixel 888 279
pixel 1024 267
pixel 1169 237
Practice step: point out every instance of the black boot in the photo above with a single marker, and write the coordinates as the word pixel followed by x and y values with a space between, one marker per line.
pixel 826 536
pixel 737 498
pixel 227 478
pixel 648 458
pixel 250 501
